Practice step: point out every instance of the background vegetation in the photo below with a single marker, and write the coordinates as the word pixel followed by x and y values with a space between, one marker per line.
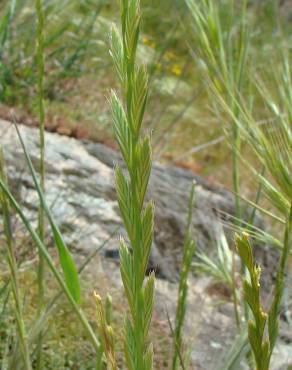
pixel 77 60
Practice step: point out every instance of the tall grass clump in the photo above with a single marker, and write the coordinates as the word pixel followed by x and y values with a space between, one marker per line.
pixel 131 187
pixel 14 279
pixel 271 142
pixel 41 111
pixel 234 87
pixel 221 39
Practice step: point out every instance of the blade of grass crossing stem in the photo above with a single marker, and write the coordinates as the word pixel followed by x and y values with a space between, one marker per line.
pixel 67 263
pixel 22 336
pixel 50 263
pixel 178 348
pixel 188 253
pixel 41 111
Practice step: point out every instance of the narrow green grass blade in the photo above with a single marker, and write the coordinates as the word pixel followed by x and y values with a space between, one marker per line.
pixel 50 262
pixel 67 263
pixel 262 210
pixel 14 273
pixel 274 312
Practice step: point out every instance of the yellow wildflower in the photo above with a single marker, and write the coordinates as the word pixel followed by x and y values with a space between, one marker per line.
pixel 176 70
pixel 145 40
pixel 148 42
pixel 170 55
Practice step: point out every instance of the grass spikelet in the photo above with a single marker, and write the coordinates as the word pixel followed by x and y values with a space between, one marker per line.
pixel 131 188
pixel 107 345
pixel 251 288
pixel 263 344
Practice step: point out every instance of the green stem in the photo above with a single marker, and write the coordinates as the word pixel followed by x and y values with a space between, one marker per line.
pixel 188 252
pixel 14 273
pixel 234 294
pixel 236 147
pixel 279 288
pixel 137 257
pixel 235 170
pixel 41 220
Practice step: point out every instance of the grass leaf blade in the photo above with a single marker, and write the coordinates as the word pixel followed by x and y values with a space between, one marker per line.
pixel 67 263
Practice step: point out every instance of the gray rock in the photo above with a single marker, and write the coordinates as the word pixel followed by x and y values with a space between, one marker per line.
pixel 80 189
